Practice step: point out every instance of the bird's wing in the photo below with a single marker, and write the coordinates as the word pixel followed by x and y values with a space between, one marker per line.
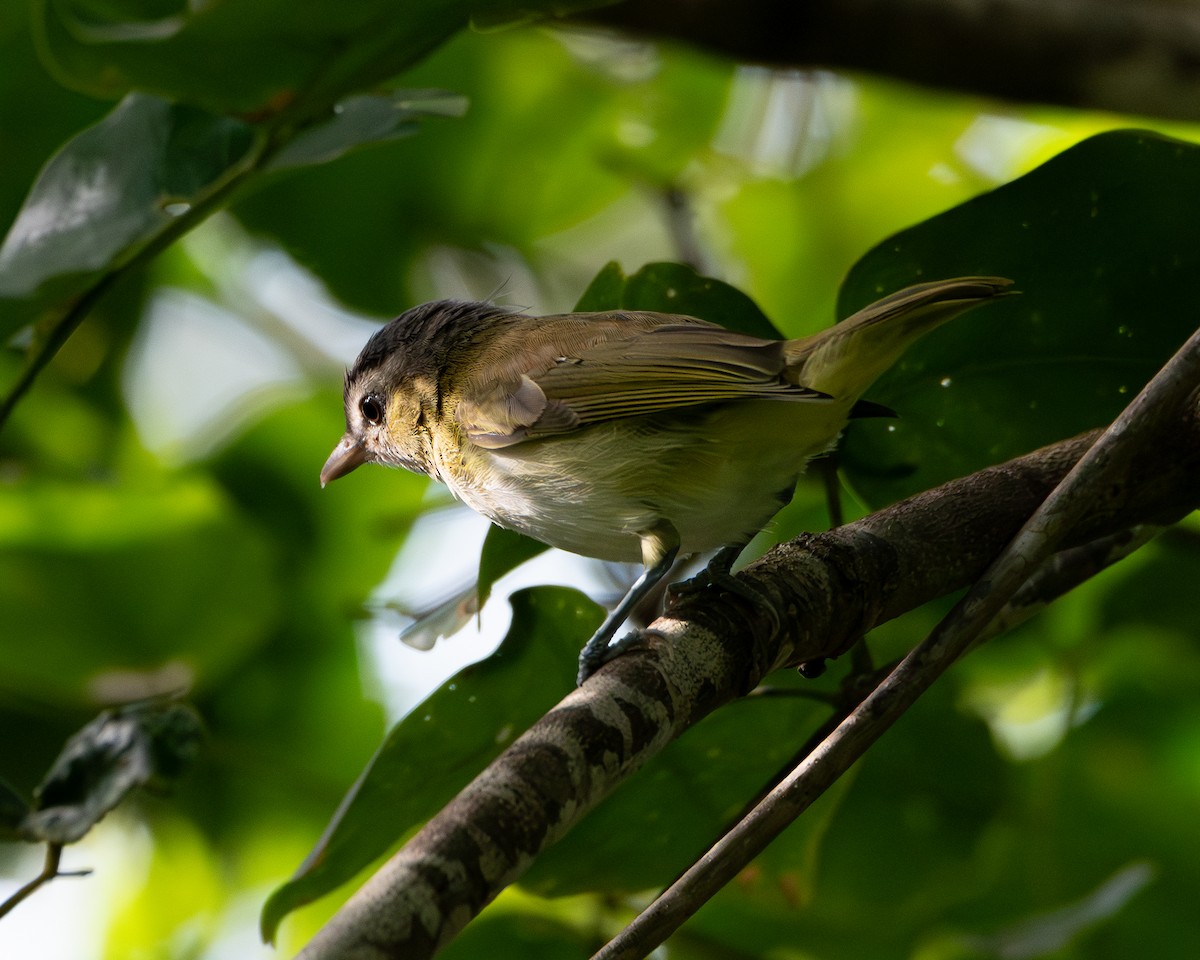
pixel 623 365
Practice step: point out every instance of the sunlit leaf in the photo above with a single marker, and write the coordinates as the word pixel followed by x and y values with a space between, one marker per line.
pixel 116 579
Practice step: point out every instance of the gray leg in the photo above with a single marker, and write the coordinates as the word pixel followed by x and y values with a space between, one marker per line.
pixel 660 544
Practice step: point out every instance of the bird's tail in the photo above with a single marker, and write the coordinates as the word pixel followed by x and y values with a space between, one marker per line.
pixel 848 357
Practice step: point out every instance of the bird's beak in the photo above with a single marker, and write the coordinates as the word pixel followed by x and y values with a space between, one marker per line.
pixel 347 455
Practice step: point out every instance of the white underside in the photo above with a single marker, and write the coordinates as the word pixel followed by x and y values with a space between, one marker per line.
pixel 717 475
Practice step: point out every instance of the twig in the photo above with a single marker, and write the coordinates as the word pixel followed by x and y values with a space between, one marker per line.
pixel 49 872
pixel 1084 487
pixel 681 223
pixel 1063 572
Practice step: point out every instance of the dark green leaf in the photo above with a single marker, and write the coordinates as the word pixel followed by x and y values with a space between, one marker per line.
pixel 1103 246
pixel 605 290
pixel 364 120
pixel 520 935
pixel 252 55
pixel 108 192
pixel 13 810
pixel 677 288
pixel 503 551
pixel 435 751
pixel 146 744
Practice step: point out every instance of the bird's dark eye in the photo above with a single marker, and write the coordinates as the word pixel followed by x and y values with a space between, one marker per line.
pixel 372 409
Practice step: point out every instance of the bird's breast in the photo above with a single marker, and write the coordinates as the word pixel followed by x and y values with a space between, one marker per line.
pixel 718 475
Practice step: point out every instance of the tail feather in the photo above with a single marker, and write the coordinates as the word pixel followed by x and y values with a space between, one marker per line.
pixel 848 357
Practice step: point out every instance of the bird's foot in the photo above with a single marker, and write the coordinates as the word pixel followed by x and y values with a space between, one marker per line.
pixel 601 649
pixel 717 574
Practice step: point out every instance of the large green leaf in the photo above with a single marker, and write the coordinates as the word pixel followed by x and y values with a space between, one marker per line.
pixel 126 181
pixel 1104 248
pixel 109 191
pixel 446 740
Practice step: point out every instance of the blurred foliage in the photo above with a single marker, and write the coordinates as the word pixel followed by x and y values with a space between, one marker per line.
pixel 161 525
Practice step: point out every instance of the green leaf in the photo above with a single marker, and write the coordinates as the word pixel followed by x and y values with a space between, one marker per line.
pixel 365 120
pixel 503 551
pixel 251 55
pixel 605 290
pixel 1103 247
pixel 677 288
pixel 229 56
pixel 436 750
pixel 524 933
pixel 108 191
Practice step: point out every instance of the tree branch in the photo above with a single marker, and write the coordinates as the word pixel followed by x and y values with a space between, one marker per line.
pixel 1132 56
pixel 49 872
pixel 713 647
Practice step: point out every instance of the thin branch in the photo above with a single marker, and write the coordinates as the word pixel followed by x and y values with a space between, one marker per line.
pixel 1063 572
pixel 1059 575
pixel 49 872
pixel 681 223
pixel 1086 485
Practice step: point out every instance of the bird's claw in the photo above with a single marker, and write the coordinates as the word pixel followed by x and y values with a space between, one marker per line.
pixel 595 655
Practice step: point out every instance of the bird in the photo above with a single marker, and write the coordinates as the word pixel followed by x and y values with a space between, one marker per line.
pixel 623 435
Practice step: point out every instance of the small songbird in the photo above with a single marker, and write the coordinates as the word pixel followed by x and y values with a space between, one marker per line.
pixel 621 435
